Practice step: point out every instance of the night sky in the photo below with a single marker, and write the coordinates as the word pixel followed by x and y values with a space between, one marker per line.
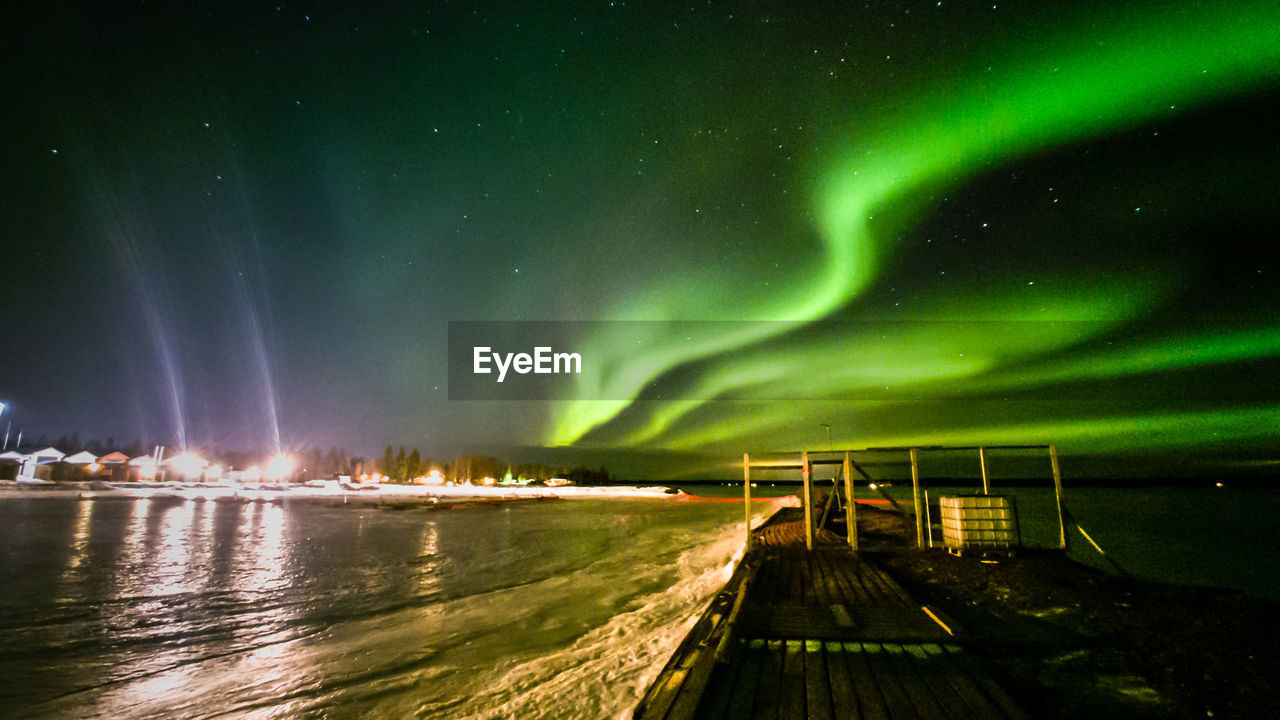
pixel 937 222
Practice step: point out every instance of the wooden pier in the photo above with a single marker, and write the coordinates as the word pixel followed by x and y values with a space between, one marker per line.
pixel 820 633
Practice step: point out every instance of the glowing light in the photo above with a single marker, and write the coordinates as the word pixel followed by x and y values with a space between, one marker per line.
pixel 147 470
pixel 187 464
pixel 251 474
pixel 213 473
pixel 278 467
pixel 94 467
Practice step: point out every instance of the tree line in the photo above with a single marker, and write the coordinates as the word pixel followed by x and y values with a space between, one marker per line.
pixel 401 466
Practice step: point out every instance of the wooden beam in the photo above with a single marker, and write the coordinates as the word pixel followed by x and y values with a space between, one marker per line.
pixel 808 499
pixel 777 464
pixel 982 462
pixel 832 497
pixel 850 513
pixel 915 497
pixel 746 493
pixel 1057 496
pixel 858 468
pixel 933 448
pixel 722 649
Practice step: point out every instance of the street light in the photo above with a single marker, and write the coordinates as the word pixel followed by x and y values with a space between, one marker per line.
pixel 281 466
pixel 189 464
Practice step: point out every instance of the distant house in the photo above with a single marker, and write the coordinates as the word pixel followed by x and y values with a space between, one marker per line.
pixel 84 457
pixel 77 466
pixel 11 463
pixel 115 467
pixel 42 463
pixel 141 469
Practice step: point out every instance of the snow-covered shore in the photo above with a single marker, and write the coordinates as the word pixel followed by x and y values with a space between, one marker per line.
pixel 321 489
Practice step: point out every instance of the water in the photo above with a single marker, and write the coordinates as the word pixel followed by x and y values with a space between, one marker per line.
pixel 1220 537
pixel 170 608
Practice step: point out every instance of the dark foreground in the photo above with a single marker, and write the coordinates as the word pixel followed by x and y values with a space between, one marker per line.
pixel 827 633
pixel 1069 641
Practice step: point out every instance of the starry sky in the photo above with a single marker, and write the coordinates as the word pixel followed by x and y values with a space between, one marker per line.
pixel 250 224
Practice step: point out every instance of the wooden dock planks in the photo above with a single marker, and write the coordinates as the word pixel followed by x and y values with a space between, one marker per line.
pixel 821 634
pixel 862 681
pixel 818 695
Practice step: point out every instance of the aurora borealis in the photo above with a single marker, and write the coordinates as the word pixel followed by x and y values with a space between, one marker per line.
pixel 935 222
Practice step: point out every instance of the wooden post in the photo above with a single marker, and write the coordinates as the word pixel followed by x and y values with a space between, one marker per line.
pixel 1057 496
pixel 915 497
pixel 850 513
pixel 746 492
pixel 807 471
pixel 982 461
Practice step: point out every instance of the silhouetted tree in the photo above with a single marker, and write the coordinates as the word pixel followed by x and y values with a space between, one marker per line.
pixel 388 465
pixel 413 465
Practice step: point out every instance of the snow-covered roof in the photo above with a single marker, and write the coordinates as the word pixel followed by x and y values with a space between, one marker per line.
pixel 84 457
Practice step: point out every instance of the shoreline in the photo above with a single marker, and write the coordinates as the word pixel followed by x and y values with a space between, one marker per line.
pixel 394 496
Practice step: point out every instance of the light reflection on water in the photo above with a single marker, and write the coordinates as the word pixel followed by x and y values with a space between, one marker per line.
pixel 79 545
pixel 265 563
pixel 174 608
pixel 428 550
pixel 173 544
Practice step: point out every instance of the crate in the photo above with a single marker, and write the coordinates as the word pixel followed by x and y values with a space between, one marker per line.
pixel 978 522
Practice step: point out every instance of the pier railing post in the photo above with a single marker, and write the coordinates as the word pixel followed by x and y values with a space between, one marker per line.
pixel 746 492
pixel 850 508
pixel 915 496
pixel 807 471
pixel 982 462
pixel 1057 496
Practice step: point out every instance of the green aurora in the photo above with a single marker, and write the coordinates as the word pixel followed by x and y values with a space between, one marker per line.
pixel 1093 77
pixel 912 221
